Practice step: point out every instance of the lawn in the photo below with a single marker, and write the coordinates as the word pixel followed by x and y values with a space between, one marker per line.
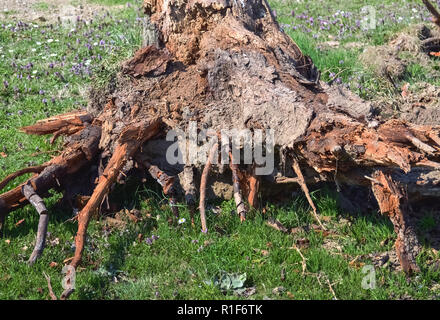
pixel 47 67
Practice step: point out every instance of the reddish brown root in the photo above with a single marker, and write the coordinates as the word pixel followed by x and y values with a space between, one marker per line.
pixel 305 189
pixel 12 176
pixel 80 151
pixel 254 186
pixel 49 287
pixel 393 201
pixel 129 142
pixel 203 183
pixel 2 224
pixel 64 124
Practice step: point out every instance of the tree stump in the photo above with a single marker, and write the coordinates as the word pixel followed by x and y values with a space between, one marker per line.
pixel 225 64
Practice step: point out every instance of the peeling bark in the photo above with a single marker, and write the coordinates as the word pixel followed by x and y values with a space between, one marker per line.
pixel 393 202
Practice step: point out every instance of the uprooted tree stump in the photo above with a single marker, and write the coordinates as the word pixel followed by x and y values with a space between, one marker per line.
pixel 226 64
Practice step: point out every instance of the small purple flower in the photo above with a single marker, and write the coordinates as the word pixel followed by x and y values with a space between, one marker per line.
pixel 292 13
pixel 6 84
pixel 341 61
pixel 149 241
pixel 154 237
pixel 44 101
pixel 41 92
pixel 195 241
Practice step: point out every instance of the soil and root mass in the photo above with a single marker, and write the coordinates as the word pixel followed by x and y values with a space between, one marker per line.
pixel 226 65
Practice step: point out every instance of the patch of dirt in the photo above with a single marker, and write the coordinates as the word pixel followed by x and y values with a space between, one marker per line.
pixel 386 259
pixel 419 106
pixel 417 103
pixel 50 10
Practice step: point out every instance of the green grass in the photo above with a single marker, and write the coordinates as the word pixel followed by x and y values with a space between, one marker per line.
pixel 178 265
pixel 110 2
pixel 41 6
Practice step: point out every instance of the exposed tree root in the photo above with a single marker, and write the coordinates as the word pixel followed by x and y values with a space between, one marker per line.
pixel 203 181
pixel 227 65
pixel 130 141
pixel 49 287
pixel 38 203
pixel 239 203
pixel 393 202
pixel 12 176
pixel 305 189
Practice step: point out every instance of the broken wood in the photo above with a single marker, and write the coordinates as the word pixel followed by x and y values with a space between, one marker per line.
pixel 393 202
pixel 305 189
pixel 34 199
pixel 277 225
pixel 12 176
pixel 129 142
pixel 232 68
pixel 49 287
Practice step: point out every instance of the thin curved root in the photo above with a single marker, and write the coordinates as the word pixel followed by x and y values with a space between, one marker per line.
pixel 12 176
pixel 301 181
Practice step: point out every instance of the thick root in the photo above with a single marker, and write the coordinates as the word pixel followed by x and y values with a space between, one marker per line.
pixel 79 152
pixel 203 183
pixel 393 202
pixel 130 141
pixel 38 203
